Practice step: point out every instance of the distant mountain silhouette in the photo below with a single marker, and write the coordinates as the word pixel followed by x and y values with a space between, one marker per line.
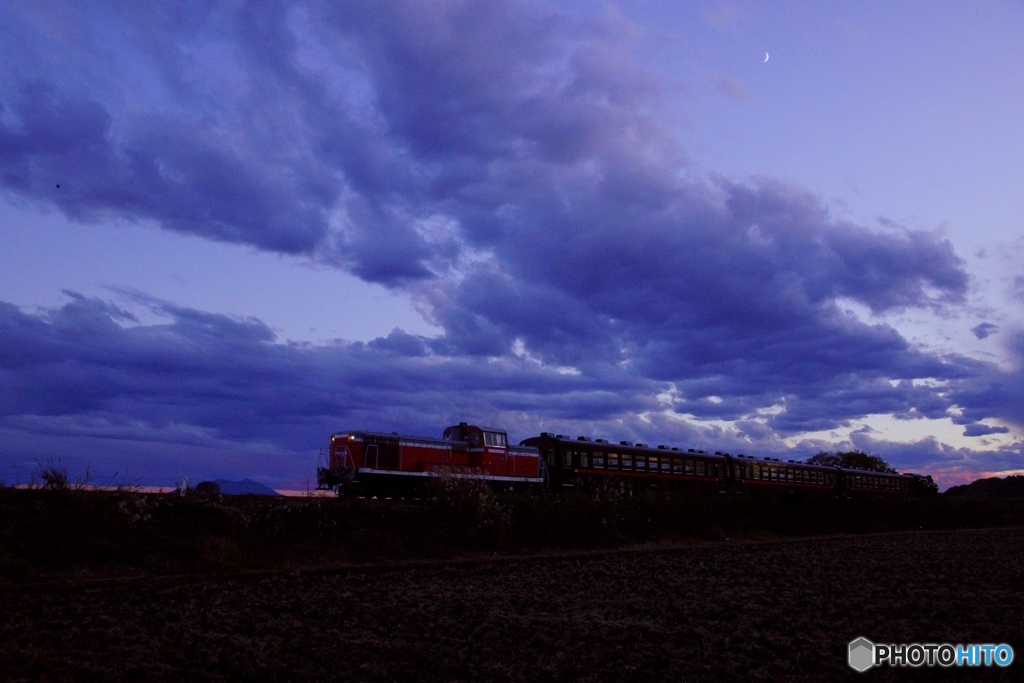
pixel 245 487
pixel 1010 487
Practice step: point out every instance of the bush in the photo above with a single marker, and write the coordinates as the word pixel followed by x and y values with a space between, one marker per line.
pixel 54 475
pixel 470 505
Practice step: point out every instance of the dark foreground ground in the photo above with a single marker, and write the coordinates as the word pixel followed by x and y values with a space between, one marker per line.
pixel 727 610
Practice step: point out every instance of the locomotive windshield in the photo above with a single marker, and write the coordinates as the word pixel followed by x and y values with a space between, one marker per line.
pixel 495 439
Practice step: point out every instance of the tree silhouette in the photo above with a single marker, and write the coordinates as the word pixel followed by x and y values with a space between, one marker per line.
pixel 858 459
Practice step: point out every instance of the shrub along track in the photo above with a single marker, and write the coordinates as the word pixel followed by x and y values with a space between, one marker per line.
pixel 748 610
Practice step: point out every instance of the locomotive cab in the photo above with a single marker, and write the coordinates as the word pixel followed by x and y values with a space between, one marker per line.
pixel 477 437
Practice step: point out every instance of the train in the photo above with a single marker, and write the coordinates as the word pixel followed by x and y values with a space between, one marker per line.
pixel 376 463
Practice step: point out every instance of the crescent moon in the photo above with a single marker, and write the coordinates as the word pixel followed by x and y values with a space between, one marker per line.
pixel 765 57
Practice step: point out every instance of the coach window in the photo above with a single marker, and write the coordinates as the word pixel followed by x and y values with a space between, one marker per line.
pixel 566 458
pixel 584 458
pixel 665 464
pixel 677 466
pixel 652 463
pixel 688 467
pixel 599 460
pixel 755 471
pixel 700 468
pixel 613 461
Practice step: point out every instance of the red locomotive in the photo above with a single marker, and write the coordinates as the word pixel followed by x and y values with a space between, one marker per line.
pixel 371 462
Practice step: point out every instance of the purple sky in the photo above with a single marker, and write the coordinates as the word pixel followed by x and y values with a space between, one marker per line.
pixel 279 220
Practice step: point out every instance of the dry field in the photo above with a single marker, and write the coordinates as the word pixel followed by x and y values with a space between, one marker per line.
pixel 765 610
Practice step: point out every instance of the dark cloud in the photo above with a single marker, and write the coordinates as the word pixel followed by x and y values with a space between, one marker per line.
pixel 1017 288
pixel 992 392
pixel 984 330
pixel 215 382
pixel 978 429
pixel 212 393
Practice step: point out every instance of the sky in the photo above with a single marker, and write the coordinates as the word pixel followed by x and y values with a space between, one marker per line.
pixel 228 230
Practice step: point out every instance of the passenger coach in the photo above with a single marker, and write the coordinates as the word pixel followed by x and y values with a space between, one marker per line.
pixel 583 461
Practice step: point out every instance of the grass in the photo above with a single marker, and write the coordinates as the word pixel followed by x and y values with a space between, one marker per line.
pixel 60 527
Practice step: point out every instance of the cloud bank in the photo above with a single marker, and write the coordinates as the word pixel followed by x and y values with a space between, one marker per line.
pixel 504 164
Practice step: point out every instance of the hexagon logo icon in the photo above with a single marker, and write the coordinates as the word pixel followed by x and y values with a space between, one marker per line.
pixel 862 654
